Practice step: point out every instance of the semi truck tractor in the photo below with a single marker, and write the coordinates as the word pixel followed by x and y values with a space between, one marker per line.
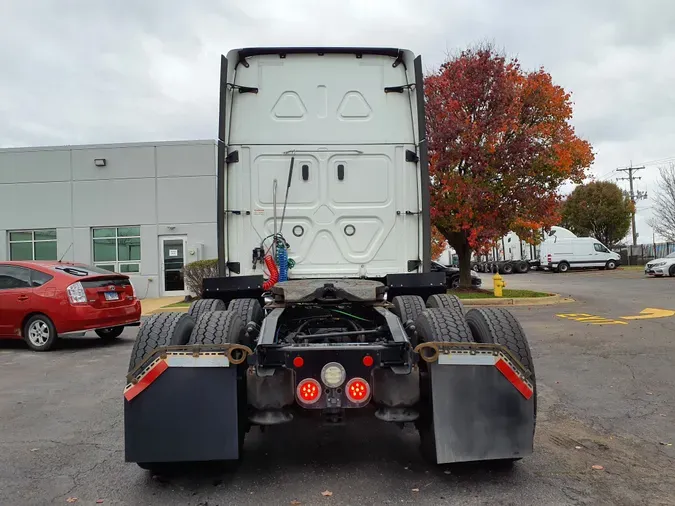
pixel 325 306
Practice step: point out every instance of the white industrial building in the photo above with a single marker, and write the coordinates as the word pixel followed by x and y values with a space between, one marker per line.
pixel 143 209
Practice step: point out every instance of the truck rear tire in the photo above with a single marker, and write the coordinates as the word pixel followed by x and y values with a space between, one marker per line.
pixel 408 307
pixel 163 329
pixel 226 327
pixel 218 327
pixel 201 306
pixel 499 326
pixel 249 310
pixel 506 268
pixel 445 301
pixel 440 325
pixel 522 267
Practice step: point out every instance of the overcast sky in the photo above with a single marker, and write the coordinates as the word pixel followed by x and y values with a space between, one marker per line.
pixel 94 71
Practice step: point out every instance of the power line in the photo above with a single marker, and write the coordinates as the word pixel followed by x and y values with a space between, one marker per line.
pixel 633 195
pixel 607 174
pixel 658 161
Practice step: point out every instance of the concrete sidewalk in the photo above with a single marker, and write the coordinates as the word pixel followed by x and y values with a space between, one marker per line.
pixel 151 305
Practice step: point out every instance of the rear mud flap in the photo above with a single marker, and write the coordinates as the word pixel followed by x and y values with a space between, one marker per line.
pixel 483 407
pixel 184 408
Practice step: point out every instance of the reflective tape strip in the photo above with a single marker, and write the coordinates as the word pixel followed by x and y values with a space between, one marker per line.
pixel 200 361
pixel 515 380
pixel 145 381
pixel 466 359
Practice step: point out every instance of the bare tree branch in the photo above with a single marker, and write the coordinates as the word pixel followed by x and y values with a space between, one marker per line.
pixel 663 221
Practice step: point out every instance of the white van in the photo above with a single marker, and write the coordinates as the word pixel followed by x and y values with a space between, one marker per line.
pixel 562 255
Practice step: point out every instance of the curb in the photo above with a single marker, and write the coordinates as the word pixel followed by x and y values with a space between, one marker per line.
pixel 510 301
pixel 167 309
pixel 518 301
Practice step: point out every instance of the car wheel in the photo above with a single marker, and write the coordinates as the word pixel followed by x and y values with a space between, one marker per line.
pixel 110 333
pixel 563 267
pixel 611 265
pixel 454 283
pixel 39 333
pixel 671 271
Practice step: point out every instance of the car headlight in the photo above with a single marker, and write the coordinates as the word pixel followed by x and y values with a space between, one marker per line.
pixel 659 264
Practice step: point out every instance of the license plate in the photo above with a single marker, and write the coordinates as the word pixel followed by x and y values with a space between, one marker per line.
pixel 111 296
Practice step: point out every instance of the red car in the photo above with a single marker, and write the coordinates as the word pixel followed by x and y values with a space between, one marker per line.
pixel 41 300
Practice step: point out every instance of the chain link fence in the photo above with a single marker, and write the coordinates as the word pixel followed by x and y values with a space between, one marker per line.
pixel 643 253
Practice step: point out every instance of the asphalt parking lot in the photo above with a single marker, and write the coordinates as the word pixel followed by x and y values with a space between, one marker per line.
pixel 606 397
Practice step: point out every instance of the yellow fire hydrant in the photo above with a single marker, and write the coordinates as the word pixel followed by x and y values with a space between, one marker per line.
pixel 499 284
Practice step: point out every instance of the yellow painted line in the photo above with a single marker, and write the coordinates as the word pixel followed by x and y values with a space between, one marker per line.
pixel 589 318
pixel 651 312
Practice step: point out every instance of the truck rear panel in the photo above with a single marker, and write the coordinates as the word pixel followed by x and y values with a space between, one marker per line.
pixel 350 122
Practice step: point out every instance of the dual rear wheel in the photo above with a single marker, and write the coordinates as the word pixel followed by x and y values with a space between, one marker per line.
pixel 208 321
pixel 444 320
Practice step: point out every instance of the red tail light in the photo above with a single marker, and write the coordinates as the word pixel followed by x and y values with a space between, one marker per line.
pixel 368 361
pixel 358 390
pixel 308 391
pixel 548 258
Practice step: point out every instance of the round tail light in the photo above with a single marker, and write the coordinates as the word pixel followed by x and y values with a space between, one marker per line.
pixel 333 375
pixel 358 390
pixel 308 391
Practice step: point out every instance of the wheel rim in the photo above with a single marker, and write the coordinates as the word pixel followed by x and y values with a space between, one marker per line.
pixel 454 283
pixel 38 333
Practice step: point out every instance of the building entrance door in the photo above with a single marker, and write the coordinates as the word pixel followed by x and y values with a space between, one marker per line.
pixel 172 260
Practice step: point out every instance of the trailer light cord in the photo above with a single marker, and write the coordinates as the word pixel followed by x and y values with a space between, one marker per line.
pixel 274 273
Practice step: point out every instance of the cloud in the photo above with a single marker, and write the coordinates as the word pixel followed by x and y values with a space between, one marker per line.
pixel 88 71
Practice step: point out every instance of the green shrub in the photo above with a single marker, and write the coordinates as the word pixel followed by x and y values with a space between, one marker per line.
pixel 195 273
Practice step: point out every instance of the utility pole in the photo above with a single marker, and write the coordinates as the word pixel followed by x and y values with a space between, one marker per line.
pixel 633 195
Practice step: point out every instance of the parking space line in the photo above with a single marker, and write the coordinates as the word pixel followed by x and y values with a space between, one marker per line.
pixel 592 319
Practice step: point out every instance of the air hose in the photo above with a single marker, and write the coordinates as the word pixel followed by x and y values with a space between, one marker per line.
pixel 274 273
pixel 282 261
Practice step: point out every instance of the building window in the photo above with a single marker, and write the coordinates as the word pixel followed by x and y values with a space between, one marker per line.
pixel 32 244
pixel 117 249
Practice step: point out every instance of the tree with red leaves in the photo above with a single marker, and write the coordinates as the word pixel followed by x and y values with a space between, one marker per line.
pixel 500 146
pixel 438 243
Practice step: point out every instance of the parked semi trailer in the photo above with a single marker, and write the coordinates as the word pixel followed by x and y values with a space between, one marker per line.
pixel 325 305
